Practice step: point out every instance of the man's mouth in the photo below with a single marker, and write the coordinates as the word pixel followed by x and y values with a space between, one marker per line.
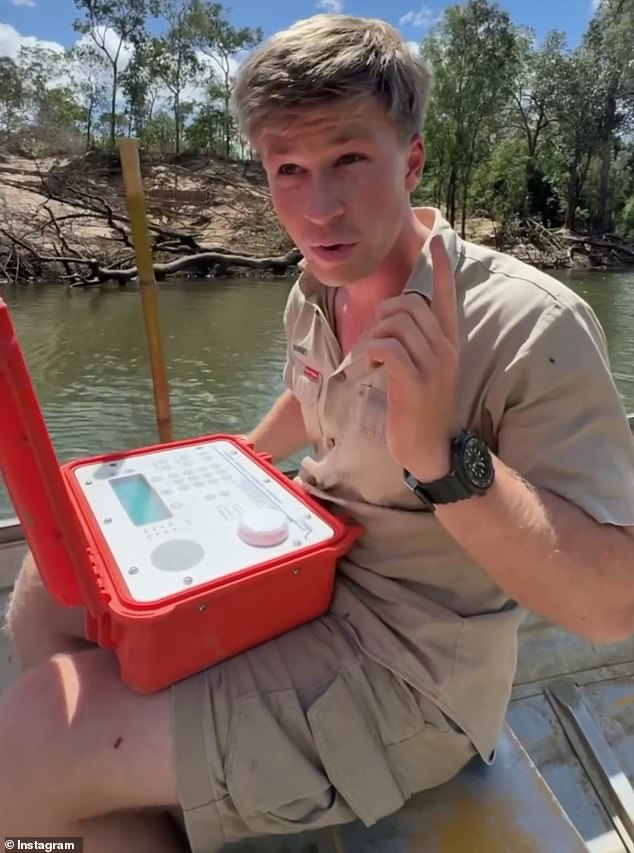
pixel 333 253
pixel 331 247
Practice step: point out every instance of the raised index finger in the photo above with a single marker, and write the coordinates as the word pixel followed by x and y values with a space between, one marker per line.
pixel 443 303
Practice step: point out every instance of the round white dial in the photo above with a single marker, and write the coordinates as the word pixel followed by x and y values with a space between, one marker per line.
pixel 263 527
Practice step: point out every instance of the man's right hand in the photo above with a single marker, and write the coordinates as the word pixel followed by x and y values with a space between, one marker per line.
pixel 281 432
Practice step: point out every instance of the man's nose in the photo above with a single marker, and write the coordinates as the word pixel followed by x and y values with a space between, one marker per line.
pixel 324 202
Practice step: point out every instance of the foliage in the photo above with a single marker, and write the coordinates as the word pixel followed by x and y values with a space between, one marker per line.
pixel 519 129
pixel 516 129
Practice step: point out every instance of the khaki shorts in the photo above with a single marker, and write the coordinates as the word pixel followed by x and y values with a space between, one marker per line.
pixel 300 733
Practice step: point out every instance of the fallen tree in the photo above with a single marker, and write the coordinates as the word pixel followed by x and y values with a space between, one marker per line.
pixel 67 222
pixel 76 230
pixel 213 262
pixel 550 248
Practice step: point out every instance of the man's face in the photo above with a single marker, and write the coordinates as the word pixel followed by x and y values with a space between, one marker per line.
pixel 340 184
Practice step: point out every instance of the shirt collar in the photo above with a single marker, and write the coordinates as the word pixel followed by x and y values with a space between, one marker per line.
pixel 421 277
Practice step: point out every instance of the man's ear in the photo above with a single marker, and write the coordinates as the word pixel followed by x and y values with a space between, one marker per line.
pixel 415 161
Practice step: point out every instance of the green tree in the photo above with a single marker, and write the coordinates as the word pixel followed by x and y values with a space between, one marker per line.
pixel 537 91
pixel 160 132
pixel 206 132
pixel 142 89
pixel 11 97
pixel 90 84
pixel 627 216
pixel 220 42
pixel 578 114
pixel 50 105
pixel 609 43
pixel 172 57
pixel 499 185
pixel 113 25
pixel 475 53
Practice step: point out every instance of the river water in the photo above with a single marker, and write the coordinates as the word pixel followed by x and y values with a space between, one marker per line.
pixel 224 347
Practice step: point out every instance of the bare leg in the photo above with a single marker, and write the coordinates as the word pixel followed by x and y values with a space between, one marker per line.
pixel 40 629
pixel 88 757
pixel 37 625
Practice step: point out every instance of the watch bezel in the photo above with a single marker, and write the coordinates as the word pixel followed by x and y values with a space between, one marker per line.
pixel 464 470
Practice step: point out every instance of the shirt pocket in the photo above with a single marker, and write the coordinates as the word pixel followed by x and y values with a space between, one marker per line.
pixel 370 412
pixel 307 383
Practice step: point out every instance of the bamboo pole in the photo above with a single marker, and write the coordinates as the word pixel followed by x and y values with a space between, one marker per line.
pixel 131 166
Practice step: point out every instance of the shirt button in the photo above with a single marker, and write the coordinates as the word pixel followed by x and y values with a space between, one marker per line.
pixel 331 442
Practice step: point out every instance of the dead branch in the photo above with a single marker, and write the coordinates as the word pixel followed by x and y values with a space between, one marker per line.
pixel 602 245
pixel 69 222
pixel 88 201
pixel 202 263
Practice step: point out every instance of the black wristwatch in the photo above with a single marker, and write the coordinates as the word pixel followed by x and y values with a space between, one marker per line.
pixel 471 473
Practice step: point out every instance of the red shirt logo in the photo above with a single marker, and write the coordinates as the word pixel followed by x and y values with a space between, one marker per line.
pixel 311 373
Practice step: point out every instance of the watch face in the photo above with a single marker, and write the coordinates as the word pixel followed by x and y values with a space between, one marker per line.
pixel 477 463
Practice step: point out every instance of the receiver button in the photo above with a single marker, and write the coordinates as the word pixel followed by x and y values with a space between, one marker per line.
pixel 263 527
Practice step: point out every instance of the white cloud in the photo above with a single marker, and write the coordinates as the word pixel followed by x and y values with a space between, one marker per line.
pixel 423 18
pixel 11 41
pixel 30 3
pixel 414 46
pixel 594 6
pixel 111 40
pixel 72 72
pixel 333 6
pixel 76 71
pixel 211 68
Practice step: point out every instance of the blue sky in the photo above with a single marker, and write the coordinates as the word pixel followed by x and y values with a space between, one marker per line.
pixel 51 20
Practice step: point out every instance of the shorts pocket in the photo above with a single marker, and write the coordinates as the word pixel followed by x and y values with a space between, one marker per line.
pixel 274 774
pixel 353 755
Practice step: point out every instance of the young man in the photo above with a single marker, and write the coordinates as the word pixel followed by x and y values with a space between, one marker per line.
pixel 459 404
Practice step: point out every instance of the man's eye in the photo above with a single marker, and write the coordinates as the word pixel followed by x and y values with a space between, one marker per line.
pixel 351 158
pixel 288 169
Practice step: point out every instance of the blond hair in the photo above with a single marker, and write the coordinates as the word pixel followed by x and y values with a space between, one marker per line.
pixel 328 58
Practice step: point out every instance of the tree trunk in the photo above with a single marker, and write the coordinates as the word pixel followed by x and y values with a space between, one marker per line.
pixel 113 116
pixel 463 213
pixel 571 213
pixel 177 123
pixel 227 119
pixel 89 127
pixel 604 214
pixel 451 197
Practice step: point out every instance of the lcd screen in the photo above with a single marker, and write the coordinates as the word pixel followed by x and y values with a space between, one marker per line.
pixel 142 504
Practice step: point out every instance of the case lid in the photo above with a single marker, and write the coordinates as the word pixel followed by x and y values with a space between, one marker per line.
pixel 32 476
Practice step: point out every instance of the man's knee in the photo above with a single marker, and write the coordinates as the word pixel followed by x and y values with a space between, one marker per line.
pixel 21 706
pixel 76 743
pixel 36 624
pixel 28 591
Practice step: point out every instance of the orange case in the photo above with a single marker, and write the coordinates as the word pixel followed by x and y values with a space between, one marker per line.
pixel 161 642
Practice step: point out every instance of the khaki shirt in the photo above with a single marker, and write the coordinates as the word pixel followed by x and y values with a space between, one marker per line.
pixel 535 383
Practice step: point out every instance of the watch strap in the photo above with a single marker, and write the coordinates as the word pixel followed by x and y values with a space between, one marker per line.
pixel 447 489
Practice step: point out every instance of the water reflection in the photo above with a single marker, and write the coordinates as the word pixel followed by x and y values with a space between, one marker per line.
pixel 224 347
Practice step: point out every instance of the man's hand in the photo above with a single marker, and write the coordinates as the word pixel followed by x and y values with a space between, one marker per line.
pixel 418 345
pixel 281 432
